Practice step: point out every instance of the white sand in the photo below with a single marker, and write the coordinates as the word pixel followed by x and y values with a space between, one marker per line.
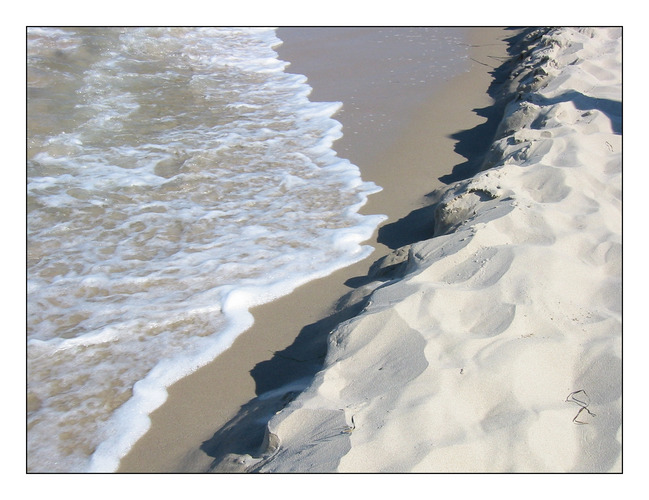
pixel 467 362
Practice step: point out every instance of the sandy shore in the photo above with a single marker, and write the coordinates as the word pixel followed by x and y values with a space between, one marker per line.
pixel 498 348
pixel 192 431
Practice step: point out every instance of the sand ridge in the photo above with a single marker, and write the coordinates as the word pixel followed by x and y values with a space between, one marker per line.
pixel 500 347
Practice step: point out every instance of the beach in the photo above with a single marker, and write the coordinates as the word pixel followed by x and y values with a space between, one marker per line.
pixel 484 332
pixel 498 346
pixel 204 422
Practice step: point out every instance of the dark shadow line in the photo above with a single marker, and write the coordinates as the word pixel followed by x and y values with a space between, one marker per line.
pixel 472 144
pixel 277 379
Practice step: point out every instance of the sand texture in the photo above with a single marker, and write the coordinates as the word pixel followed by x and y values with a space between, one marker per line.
pixel 497 345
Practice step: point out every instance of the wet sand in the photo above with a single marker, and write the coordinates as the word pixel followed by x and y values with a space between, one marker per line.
pixel 409 146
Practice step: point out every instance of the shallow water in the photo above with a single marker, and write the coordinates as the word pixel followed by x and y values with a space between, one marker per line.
pixel 175 178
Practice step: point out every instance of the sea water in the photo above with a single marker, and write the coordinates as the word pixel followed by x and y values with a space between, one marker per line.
pixel 176 177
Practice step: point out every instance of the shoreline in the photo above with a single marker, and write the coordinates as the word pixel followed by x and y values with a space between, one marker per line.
pixel 289 337
pixel 499 348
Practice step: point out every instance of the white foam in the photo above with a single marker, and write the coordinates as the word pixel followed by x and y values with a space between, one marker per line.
pixel 130 422
pixel 151 236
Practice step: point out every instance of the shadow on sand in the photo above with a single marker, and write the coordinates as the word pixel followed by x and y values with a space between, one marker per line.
pixel 280 379
pixel 612 109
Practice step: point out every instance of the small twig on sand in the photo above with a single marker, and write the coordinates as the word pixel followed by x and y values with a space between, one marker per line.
pixel 479 62
pixel 582 404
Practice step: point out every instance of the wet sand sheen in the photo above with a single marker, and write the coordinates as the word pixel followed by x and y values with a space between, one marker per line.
pixel 407 167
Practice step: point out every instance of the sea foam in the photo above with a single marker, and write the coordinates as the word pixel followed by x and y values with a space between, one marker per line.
pixel 180 178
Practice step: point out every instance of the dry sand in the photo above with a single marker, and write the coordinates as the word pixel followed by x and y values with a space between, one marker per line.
pixel 289 338
pixel 499 348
